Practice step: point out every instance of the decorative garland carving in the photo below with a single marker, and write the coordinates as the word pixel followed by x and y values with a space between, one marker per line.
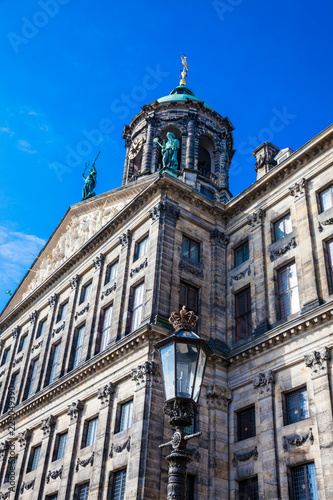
pixel 137 269
pixel 297 440
pixel 277 253
pixel 4 496
pixel 241 275
pixel 327 222
pixel 317 362
pixel 55 331
pixel 54 474
pixel 29 485
pixel 36 346
pixel 118 449
pixel 109 290
pixel 79 313
pixel 17 360
pixel 183 266
pixel 244 457
pixel 265 383
pixel 85 462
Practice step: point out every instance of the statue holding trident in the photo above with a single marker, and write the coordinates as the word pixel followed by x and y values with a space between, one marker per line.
pixel 169 148
pixel 90 180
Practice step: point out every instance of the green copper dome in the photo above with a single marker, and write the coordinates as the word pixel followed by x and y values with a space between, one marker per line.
pixel 181 93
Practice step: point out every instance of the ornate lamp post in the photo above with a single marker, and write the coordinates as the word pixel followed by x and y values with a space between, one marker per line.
pixel 183 359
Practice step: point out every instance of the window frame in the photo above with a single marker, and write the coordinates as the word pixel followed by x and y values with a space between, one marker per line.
pixel 196 310
pixel 22 342
pixel 61 315
pixel 32 458
pixel 126 423
pixel 134 324
pixel 196 244
pixel 119 473
pixel 245 316
pixel 278 221
pixel 78 488
pixel 329 264
pixel 89 431
pixel 31 380
pixel 248 480
pixel 292 471
pixel 41 327
pixel 244 244
pixel 241 436
pixel 53 364
pixel 84 295
pixel 108 272
pixel 56 448
pixel 286 401
pixel 5 355
pixel 320 194
pixel 144 241
pixel 10 470
pixel 76 347
pixel 103 343
pixel 280 293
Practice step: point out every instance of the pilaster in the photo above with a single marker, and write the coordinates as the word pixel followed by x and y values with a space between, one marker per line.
pixel 191 129
pixel 148 146
pixel 119 306
pixel 23 441
pixel 47 426
pixel 218 243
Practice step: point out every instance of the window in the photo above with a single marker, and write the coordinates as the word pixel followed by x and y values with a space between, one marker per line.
pixel 304 483
pixel 106 327
pixel 31 377
pixel 10 471
pixel 52 497
pixel 189 297
pixel 34 458
pixel 5 356
pixel 282 227
pixel 296 406
pixel 41 328
pixel 23 341
pixel 191 249
pixel 82 492
pixel 248 489
pixel 137 301
pixel 141 248
pixel 330 264
pixel 78 346
pixel 85 292
pixel 288 291
pixel 126 412
pixel 243 314
pixel 62 311
pixel 11 396
pixel 60 446
pixel 246 423
pixel 326 199
pixel 111 272
pixel 54 362
pixel 119 482
pixel 89 434
pixel 190 486
pixel 241 253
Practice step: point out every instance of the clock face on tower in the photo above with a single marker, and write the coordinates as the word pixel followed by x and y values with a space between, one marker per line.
pixel 135 148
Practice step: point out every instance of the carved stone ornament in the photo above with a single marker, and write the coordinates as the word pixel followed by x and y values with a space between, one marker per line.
pixel 327 222
pixel 3 448
pixel 33 317
pixel 47 425
pixel 144 374
pixel 281 251
pixel 74 282
pixel 137 269
pixel 53 300
pixel 297 440
pixel 217 237
pixel 54 474
pixel 16 331
pixel 298 189
pixel 85 462
pixel 28 485
pixel 23 437
pixel 125 238
pixel 55 331
pixel 186 409
pixel 37 346
pixel 105 393
pixel 18 360
pixel 317 362
pixel 79 313
pixel 239 276
pixel 256 218
pixel 109 290
pixel 244 457
pixel 4 495
pixel 183 320
pixel 74 410
pixel 118 449
pixel 218 396
pixel 183 266
pixel 265 383
pixel 164 210
pixel 98 261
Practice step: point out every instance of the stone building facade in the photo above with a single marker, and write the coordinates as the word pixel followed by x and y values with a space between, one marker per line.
pixel 81 394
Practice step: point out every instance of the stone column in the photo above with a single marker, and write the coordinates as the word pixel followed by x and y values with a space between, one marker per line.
pixel 105 395
pixel 119 306
pixel 23 445
pixel 47 427
pixel 318 362
pixel 148 147
pixel 259 299
pixel 264 382
pixel 4 448
pixel 191 129
pixel 72 445
pixel 218 400
pixel 308 283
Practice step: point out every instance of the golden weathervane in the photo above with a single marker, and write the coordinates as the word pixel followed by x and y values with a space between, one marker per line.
pixel 184 71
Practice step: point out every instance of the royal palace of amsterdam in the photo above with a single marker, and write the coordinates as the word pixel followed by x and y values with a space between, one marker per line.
pixel 81 394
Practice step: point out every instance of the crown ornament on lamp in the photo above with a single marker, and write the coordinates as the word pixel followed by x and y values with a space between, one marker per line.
pixel 183 320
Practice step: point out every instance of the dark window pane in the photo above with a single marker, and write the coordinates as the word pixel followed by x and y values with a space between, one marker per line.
pixel 126 416
pixel 119 483
pixel 62 440
pixel 241 254
pixel 297 406
pixel 330 264
pixel 326 199
pixel 41 328
pixel 190 487
pixel 243 314
pixel 304 483
pixel 84 491
pixel 248 489
pixel 288 291
pixel 246 424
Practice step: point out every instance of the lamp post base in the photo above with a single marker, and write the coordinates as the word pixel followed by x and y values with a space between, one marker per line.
pixel 177 461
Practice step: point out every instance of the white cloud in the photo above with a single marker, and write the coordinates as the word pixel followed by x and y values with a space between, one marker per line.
pixel 32 113
pixel 25 146
pixel 6 130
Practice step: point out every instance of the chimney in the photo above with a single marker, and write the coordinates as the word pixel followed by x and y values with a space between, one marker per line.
pixel 264 155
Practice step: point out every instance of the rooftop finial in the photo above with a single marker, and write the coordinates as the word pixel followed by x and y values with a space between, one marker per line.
pixel 184 71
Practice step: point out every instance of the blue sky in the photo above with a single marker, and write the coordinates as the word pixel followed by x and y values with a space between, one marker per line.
pixel 74 72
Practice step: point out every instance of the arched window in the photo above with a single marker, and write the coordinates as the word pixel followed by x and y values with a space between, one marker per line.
pixel 206 155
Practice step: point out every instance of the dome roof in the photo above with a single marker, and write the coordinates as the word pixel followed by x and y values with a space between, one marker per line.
pixel 181 93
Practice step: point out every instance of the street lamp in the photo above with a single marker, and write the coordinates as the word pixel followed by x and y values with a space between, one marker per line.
pixel 183 359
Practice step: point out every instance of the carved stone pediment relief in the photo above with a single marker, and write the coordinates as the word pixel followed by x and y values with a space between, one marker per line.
pixel 244 457
pixel 118 449
pixel 85 462
pixel 297 440
pixel 279 248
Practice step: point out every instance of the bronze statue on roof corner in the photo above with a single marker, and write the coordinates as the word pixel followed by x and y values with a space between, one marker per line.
pixel 90 181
